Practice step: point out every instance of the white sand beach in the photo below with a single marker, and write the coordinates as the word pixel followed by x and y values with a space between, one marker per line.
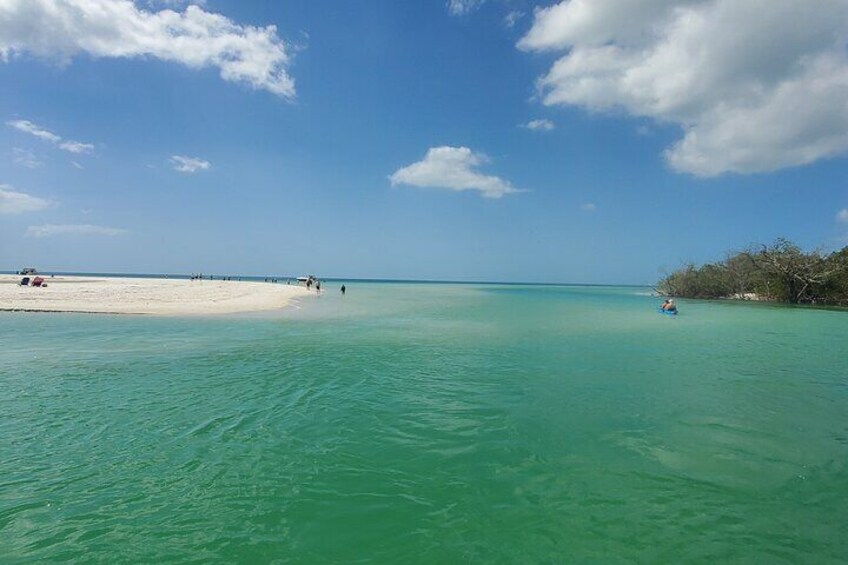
pixel 164 297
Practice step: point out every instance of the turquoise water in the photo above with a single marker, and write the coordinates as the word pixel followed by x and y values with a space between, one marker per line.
pixel 428 424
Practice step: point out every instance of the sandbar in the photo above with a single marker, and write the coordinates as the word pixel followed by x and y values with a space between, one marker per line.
pixel 161 297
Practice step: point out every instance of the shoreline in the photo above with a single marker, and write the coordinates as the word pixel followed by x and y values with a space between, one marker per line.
pixel 145 296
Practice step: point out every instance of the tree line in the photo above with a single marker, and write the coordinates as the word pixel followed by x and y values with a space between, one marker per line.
pixel 779 272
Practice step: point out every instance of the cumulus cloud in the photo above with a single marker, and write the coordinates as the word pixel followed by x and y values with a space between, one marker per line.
pixel 463 7
pixel 539 125
pixel 185 164
pixel 13 202
pixel 62 29
pixel 842 215
pixel 49 230
pixel 755 85
pixel 27 126
pixel 452 168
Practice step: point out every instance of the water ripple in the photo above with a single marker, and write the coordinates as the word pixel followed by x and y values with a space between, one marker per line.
pixel 479 426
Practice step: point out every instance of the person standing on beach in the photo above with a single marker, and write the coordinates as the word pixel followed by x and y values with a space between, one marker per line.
pixel 343 290
pixel 318 286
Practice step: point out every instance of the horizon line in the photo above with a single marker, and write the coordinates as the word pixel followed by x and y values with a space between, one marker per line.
pixel 333 278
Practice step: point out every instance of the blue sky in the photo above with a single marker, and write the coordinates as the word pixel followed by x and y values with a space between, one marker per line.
pixel 507 140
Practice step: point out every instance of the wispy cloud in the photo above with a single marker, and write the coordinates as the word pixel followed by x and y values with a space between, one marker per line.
pixel 13 202
pixel 452 168
pixel 842 215
pixel 250 55
pixel 174 4
pixel 185 164
pixel 742 107
pixel 25 158
pixel 50 230
pixel 27 126
pixel 644 131
pixel 76 147
pixel 463 7
pixel 588 207
pixel 512 18
pixel 539 125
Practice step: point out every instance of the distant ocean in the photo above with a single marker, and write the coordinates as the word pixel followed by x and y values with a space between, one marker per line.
pixel 428 423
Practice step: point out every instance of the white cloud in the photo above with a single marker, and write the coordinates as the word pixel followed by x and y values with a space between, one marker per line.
pixel 755 85
pixel 588 207
pixel 76 147
pixel 13 202
pixel 452 168
pixel 49 230
pixel 119 29
pixel 25 158
pixel 512 18
pixel 185 164
pixel 27 126
pixel 540 125
pixel 842 216
pixel 174 4
pixel 463 7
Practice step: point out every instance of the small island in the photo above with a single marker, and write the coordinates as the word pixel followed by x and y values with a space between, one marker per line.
pixel 147 295
pixel 780 272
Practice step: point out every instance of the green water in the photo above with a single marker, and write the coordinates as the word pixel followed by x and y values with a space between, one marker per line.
pixel 428 424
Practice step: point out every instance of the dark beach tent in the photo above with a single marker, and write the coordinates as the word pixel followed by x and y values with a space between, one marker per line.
pixel 25 281
pixel 37 281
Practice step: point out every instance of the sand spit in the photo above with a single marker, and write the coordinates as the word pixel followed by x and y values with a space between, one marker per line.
pixel 163 297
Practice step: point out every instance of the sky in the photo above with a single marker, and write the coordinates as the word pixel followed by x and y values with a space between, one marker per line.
pixel 583 141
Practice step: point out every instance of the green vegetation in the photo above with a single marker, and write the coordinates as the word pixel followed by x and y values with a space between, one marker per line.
pixel 780 272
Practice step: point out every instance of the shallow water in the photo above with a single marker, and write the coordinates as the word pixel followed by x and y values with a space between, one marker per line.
pixel 428 423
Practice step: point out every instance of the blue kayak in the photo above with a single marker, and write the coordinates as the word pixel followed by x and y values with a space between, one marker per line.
pixel 667 312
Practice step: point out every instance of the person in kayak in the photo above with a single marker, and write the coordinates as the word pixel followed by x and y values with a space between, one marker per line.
pixel 668 305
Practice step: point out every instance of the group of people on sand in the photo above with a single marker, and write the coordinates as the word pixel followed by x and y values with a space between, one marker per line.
pixel 312 281
pixel 200 276
pixel 668 305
